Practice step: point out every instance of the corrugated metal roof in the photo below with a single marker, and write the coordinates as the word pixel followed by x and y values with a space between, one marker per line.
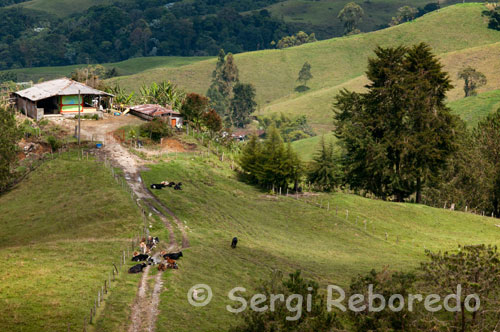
pixel 58 87
pixel 154 110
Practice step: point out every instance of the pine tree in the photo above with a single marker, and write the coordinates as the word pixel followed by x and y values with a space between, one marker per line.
pixel 399 134
pixel 270 164
pixel 242 104
pixel 324 172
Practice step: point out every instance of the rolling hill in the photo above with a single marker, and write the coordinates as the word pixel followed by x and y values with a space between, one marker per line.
pixel 127 67
pixel 340 63
pixel 286 233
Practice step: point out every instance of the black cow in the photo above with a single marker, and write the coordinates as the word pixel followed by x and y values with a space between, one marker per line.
pixel 156 240
pixel 174 255
pixel 137 268
pixel 178 186
pixel 234 242
pixel 140 258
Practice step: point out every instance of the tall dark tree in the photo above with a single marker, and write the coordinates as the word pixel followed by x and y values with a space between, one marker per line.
pixel 398 134
pixel 10 135
pixel 242 104
pixel 224 78
pixel 271 163
pixel 324 171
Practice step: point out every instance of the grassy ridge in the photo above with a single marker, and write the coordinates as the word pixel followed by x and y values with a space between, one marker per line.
pixel 338 62
pixel 472 109
pixel 288 234
pixel 62 228
pixel 127 67
pixel 61 8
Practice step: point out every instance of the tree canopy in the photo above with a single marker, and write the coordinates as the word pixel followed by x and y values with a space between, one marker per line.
pixel 399 134
pixel 473 80
pixel 351 15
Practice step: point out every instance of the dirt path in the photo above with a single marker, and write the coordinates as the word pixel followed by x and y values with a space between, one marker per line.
pixel 145 306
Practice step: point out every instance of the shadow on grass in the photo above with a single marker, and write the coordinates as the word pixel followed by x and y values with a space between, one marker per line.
pixel 302 88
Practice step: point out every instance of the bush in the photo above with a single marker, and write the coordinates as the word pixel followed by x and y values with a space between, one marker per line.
pixel 156 129
pixel 55 144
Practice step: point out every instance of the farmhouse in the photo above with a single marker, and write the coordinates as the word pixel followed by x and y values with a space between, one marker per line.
pixel 154 111
pixel 59 97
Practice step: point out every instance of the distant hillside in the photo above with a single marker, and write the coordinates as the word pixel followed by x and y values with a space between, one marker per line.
pixel 127 67
pixel 338 63
pixel 472 109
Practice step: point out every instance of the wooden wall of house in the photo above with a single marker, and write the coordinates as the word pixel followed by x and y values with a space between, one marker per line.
pixel 29 108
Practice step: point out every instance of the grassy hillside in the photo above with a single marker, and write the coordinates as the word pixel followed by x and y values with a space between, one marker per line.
pixel 127 67
pixel 321 16
pixel 341 62
pixel 62 228
pixel 286 233
pixel 472 109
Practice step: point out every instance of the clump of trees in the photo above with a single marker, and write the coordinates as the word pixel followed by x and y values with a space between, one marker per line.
pixel 404 14
pixel 396 137
pixel 197 112
pixel 473 80
pixel 472 178
pixel 270 164
pixel 232 100
pixel 11 134
pixel 295 40
pixel 291 129
pixel 351 15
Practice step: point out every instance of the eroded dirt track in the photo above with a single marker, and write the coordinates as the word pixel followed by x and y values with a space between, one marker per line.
pixel 145 306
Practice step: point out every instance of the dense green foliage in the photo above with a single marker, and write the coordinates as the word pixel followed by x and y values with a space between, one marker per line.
pixel 164 93
pixel 324 171
pixel 193 108
pixel 242 104
pixel 115 32
pixel 398 134
pixel 270 164
pixel 10 135
pixel 317 319
pixel 472 178
pixel 156 129
pixel 295 40
pixel 291 129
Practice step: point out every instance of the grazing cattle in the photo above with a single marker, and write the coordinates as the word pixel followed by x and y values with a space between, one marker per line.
pixel 234 242
pixel 172 266
pixel 162 267
pixel 153 261
pixel 156 240
pixel 178 186
pixel 157 186
pixel 143 247
pixel 140 258
pixel 171 184
pixel 170 260
pixel 137 268
pixel 174 255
